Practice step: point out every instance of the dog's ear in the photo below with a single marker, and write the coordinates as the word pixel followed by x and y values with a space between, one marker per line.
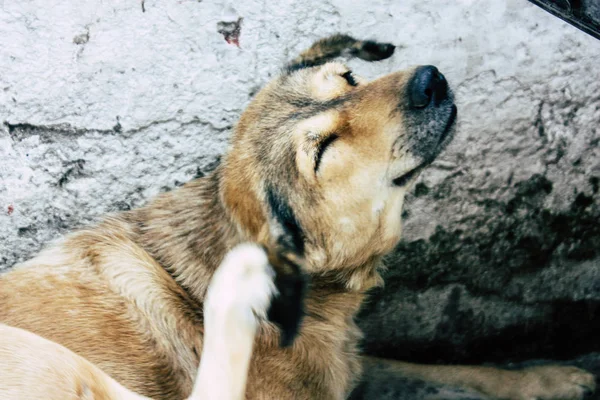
pixel 338 45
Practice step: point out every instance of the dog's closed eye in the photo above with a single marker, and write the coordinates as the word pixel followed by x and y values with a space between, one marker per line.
pixel 322 146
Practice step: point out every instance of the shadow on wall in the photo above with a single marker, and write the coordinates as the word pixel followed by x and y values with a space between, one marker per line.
pixel 510 288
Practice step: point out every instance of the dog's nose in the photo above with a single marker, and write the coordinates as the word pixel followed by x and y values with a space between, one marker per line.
pixel 427 85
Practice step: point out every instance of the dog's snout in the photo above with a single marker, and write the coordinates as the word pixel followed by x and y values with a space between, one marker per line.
pixel 427 86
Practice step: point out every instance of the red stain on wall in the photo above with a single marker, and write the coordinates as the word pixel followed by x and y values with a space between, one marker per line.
pixel 231 31
pixel 10 209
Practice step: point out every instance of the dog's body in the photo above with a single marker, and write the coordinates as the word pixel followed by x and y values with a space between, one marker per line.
pixel 239 297
pixel 320 161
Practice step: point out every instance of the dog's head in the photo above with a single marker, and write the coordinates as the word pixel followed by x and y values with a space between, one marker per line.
pixel 321 159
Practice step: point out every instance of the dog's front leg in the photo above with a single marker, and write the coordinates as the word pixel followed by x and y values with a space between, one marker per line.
pixel 249 286
pixel 238 296
pixel 534 383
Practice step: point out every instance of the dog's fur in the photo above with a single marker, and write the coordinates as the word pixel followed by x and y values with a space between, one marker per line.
pixel 320 162
pixel 239 296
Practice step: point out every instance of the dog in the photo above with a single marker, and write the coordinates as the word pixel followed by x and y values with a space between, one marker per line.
pixel 242 292
pixel 319 163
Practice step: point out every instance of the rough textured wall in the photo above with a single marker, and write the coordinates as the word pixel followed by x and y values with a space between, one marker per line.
pixel 105 104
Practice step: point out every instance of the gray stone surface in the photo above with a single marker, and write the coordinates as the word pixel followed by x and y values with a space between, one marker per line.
pixel 105 104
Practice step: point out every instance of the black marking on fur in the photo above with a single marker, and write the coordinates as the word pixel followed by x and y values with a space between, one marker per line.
pixel 287 308
pixel 321 149
pixel 349 77
pixel 374 51
pixel 296 66
pixel 315 106
pixel 330 48
pixel 407 177
pixel 292 235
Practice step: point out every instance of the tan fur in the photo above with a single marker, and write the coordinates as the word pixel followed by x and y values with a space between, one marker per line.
pixel 126 294
pixel 240 293
pixel 33 368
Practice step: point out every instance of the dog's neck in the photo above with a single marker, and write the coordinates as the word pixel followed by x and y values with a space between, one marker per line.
pixel 189 230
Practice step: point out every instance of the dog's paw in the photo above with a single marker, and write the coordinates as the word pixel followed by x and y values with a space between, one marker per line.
pixel 242 287
pixel 553 382
pixel 287 307
pixel 250 286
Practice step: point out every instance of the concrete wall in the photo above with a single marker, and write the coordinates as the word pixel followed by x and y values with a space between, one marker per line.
pixel 107 103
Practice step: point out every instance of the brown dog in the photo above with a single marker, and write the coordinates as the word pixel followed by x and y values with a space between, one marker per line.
pixel 320 163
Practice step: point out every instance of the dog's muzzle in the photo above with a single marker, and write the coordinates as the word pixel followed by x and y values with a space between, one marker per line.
pixel 430 114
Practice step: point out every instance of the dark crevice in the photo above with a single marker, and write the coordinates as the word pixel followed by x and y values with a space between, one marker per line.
pixel 569 330
pixel 47 133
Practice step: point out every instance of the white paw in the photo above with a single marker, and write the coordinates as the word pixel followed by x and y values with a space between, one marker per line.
pixel 238 296
pixel 553 382
pixel 243 285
